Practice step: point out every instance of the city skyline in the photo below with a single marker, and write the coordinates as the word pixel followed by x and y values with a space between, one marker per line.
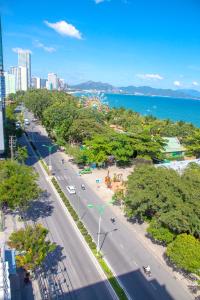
pixel 119 42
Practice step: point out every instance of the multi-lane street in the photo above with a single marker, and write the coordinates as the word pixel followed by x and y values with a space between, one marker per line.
pixel 120 246
pixel 69 273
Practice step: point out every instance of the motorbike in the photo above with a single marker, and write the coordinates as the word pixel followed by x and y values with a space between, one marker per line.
pixel 82 186
pixel 147 272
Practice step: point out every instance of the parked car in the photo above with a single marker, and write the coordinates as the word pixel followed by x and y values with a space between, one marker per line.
pixel 71 189
pixel 86 171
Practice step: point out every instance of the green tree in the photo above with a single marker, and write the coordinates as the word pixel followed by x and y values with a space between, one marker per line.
pixel 18 184
pixel 184 251
pixel 193 143
pixel 160 233
pixel 22 154
pixel 171 198
pixel 31 245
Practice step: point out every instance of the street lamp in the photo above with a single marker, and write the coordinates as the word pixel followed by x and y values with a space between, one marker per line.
pixel 101 209
pixel 49 148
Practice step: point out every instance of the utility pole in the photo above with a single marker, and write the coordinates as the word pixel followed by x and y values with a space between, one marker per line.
pixel 12 145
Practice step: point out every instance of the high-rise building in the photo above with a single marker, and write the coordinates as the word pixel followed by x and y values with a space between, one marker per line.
pixel 61 84
pixel 10 83
pixel 15 71
pixel 24 60
pixel 21 78
pixel 36 83
pixel 43 83
pixel 52 83
pixel 2 96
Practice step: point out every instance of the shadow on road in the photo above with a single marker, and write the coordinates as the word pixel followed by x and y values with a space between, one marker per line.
pixel 105 236
pixel 40 208
pixel 151 289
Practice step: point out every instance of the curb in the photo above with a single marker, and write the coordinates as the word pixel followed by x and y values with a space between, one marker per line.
pixel 93 258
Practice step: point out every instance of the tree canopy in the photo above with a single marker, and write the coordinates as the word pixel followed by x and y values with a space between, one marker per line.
pixel 184 251
pixel 31 245
pixel 163 194
pixel 18 184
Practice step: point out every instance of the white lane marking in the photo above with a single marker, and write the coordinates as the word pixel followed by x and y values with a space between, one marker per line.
pixel 154 287
pixel 121 246
pixel 134 262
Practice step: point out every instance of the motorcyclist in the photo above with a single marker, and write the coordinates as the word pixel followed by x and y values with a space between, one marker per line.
pixel 62 160
pixel 112 220
pixel 83 186
pixel 147 269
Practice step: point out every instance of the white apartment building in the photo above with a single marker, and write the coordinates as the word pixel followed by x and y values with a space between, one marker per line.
pixel 36 83
pixel 10 83
pixel 21 78
pixel 52 83
pixel 24 60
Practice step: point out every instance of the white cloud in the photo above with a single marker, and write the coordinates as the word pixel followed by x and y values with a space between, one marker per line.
pixel 64 28
pixel 150 76
pixel 195 83
pixel 98 1
pixel 38 44
pixel 177 83
pixel 16 50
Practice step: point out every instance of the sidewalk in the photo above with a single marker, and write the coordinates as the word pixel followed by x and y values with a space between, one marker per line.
pixel 139 230
pixel 19 291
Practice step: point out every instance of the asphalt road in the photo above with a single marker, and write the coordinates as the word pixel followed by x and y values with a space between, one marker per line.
pixel 68 273
pixel 120 246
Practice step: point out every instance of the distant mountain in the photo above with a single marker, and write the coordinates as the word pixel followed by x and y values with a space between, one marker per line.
pixel 149 91
pixel 92 85
pixel 140 90
pixel 193 93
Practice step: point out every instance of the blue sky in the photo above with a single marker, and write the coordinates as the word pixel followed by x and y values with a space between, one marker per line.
pixel 122 42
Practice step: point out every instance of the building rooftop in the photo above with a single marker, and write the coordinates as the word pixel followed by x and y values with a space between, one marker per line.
pixel 173 145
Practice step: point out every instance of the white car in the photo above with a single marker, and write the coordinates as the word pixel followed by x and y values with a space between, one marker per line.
pixel 26 121
pixel 71 189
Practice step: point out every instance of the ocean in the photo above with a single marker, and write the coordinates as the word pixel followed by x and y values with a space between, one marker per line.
pixel 176 109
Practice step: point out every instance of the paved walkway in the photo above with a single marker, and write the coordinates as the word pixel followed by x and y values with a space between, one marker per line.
pixel 19 290
pixel 139 229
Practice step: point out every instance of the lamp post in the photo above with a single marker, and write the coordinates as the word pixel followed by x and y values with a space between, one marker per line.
pixel 49 148
pixel 101 209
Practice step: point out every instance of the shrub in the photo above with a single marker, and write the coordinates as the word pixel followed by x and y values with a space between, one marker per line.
pixel 88 238
pixel 92 245
pixel 160 233
pixel 184 252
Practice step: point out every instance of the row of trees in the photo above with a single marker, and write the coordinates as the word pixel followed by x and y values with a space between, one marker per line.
pixel 170 202
pixel 18 187
pixel 69 122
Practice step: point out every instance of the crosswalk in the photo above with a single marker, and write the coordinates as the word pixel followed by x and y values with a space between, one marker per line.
pixel 62 178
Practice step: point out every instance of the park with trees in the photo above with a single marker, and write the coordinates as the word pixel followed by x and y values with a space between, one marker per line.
pixel 168 201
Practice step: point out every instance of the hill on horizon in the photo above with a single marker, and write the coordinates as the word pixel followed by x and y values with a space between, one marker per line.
pixel 140 90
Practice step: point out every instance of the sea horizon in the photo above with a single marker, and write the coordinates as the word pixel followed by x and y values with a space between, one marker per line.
pixel 175 109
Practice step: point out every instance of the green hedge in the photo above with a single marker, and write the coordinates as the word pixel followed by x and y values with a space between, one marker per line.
pixel 113 281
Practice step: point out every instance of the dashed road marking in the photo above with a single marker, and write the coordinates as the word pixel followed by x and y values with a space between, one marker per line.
pixel 154 287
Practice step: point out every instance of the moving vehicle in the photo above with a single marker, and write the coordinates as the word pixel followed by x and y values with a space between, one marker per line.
pixel 71 189
pixel 82 186
pixel 26 122
pixel 17 124
pixel 147 270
